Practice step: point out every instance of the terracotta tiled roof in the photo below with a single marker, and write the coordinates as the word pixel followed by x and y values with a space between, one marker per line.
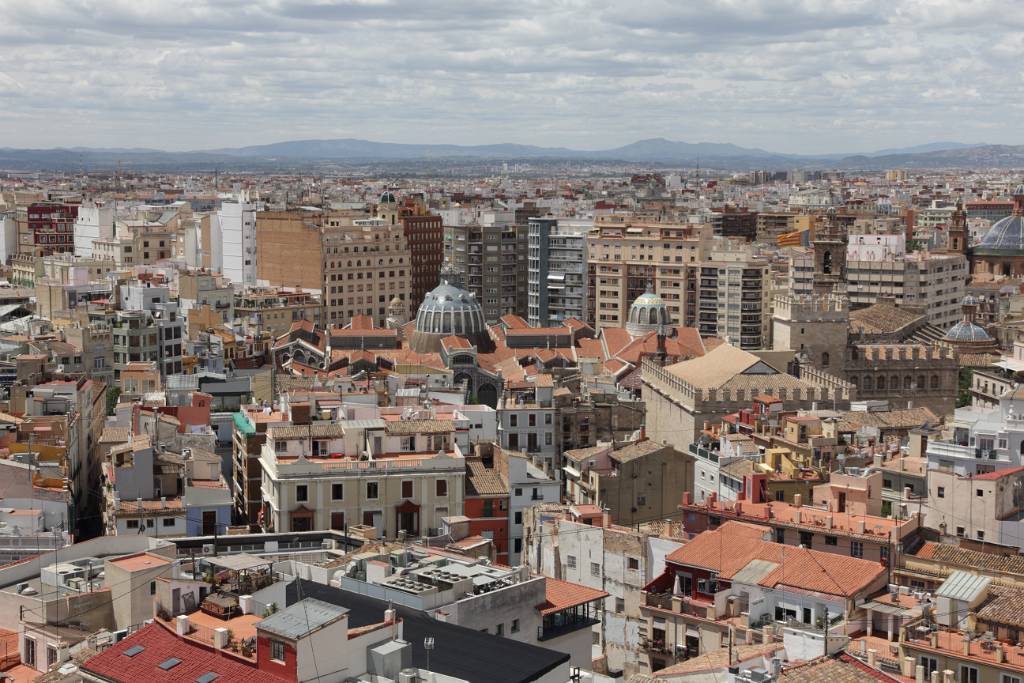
pixel 561 595
pixel 482 480
pixel 730 548
pixel 159 645
pixel 841 669
pixel 717 659
pixel 974 559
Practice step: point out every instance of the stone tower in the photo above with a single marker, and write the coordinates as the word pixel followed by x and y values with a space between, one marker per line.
pixel 956 237
pixel 829 255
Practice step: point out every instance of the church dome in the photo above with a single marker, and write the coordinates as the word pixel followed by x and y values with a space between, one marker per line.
pixel 966 331
pixel 648 313
pixel 1006 236
pixel 448 309
pixel 388 198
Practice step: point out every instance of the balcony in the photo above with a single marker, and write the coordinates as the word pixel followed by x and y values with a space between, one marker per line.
pixel 681 604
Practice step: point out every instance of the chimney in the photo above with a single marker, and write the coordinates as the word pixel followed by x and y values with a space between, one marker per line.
pixel 860 526
pixel 181 625
pixel 798 500
pixel 687 498
pixel 643 434
pixel 965 647
pixel 220 638
pixel 933 640
pixel 947 676
pixel 873 658
pixel 766 633
pixel 738 508
pixel 907 667
pixel 828 522
pixel 776 667
pixel 1000 653
pixel 936 676
pixel 390 616
pixel 796 516
pixel 879 458
pixel 919 674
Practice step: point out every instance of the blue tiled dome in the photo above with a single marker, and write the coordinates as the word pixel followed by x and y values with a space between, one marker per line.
pixel 965 331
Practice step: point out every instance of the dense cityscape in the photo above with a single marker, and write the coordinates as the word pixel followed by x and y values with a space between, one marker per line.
pixel 574 341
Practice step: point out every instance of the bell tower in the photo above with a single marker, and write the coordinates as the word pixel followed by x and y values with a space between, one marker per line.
pixel 829 255
pixel 956 237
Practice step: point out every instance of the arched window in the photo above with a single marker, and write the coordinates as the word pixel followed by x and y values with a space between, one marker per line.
pixel 920 382
pixel 881 383
pixel 908 382
pixel 854 382
pixel 853 353
pixel 826 263
pixel 824 359
pixel 867 383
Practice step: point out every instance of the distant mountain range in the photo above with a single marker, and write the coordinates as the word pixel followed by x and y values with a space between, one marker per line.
pixel 299 154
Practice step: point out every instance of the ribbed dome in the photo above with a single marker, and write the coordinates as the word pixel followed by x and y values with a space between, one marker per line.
pixel 388 198
pixel 648 313
pixel 965 331
pixel 448 309
pixel 1005 237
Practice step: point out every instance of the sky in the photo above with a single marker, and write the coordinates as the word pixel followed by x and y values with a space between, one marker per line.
pixel 803 76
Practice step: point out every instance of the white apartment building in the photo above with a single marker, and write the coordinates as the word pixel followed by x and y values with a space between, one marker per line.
pixel 392 475
pixel 93 223
pixel 236 221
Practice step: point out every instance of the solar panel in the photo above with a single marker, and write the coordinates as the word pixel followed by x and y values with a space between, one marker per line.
pixel 169 664
pixel 133 650
pixel 207 677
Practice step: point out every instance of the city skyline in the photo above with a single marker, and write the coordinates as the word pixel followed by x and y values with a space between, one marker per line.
pixel 807 78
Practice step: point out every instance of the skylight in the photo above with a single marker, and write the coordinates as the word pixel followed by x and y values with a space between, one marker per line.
pixel 133 650
pixel 207 677
pixel 169 664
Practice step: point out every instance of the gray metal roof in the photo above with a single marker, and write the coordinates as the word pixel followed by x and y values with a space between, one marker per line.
pixel 302 618
pixel 963 586
pixel 754 571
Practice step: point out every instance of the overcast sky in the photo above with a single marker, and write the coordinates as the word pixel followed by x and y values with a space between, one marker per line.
pixel 800 76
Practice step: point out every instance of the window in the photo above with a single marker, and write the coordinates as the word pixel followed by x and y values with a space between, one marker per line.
pixel 169 664
pixel 620 605
pixel 941 492
pixel 30 652
pixel 968 674
pixel 407 489
pixel 518 545
pixel 571 561
pixel 515 626
pixel 831 540
pixel 930 664
pixel 152 587
pixel 277 650
pixel 132 523
pixel 780 496
pixel 519 517
pixel 441 488
pixel 856 549
pixel 51 656
pixel 337 491
pixel 979 493
pixel 302 493
pixel 883 553
pixel 519 492
pixel 499 630
pixel 1007 678
pixel 806 539
pixel 371 490
pixel 780 535
pixel 633 563
pixel 167 521
pixel 981 535
pixel 513 420
pixel 960 532
pixel 595 569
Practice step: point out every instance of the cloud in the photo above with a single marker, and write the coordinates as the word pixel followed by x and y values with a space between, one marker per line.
pixel 775 74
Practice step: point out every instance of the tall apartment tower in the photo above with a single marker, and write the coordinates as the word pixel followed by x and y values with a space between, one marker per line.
pixel 237 222
pixel 494 259
pixel 556 272
pixel 94 222
pixel 622 256
pixel 733 297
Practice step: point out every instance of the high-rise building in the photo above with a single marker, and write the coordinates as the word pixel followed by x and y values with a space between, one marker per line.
pixel 237 228
pixel 425 237
pixel 493 258
pixel 556 271
pixel 359 264
pixel 625 257
pixel 734 291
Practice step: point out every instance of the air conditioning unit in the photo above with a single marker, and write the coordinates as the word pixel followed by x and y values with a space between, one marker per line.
pixel 207 549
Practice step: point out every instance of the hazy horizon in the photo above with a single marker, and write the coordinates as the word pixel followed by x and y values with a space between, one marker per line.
pixel 805 77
